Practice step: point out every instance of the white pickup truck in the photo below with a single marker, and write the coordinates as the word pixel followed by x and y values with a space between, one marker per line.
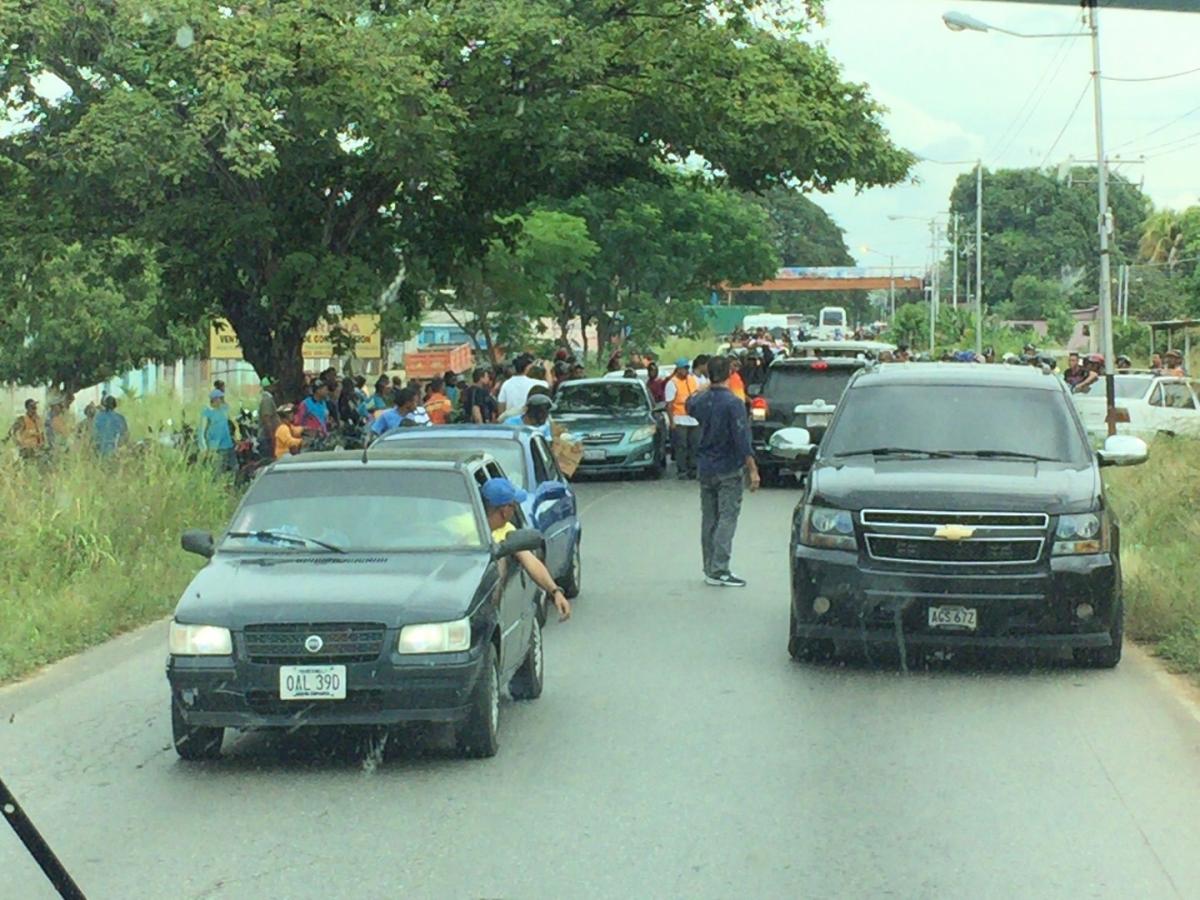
pixel 1156 404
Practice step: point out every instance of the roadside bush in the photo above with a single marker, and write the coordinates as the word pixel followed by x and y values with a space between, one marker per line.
pixel 1159 508
pixel 91 547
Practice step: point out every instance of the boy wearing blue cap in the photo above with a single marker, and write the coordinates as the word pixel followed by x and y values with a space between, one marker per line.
pixel 500 499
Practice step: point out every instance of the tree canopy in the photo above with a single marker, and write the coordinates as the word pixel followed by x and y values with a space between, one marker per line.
pixel 279 156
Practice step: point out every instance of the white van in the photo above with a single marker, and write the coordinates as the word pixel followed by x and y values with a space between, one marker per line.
pixel 831 324
pixel 765 320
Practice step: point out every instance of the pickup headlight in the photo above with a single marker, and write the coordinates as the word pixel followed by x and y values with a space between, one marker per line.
pixel 199 640
pixel 830 529
pixel 645 433
pixel 1082 533
pixel 435 637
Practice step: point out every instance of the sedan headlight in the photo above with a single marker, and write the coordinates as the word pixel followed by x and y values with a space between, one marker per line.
pixel 199 640
pixel 435 637
pixel 1082 533
pixel 645 433
pixel 830 529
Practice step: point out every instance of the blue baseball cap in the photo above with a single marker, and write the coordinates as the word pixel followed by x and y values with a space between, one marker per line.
pixel 216 395
pixel 683 363
pixel 501 492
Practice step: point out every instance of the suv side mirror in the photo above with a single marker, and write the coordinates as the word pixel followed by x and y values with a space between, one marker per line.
pixel 1123 450
pixel 548 492
pixel 791 443
pixel 198 541
pixel 519 541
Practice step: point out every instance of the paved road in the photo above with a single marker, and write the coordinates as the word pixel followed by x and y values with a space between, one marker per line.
pixel 677 752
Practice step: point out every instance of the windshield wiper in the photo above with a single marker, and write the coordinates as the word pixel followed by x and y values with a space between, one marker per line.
pixel 279 538
pixel 897 451
pixel 1002 454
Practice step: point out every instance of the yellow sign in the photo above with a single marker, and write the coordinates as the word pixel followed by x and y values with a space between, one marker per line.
pixel 368 344
pixel 954 532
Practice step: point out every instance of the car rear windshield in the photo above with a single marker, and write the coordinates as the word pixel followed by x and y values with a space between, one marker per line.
pixel 1132 387
pixel 365 508
pixel 600 397
pixel 793 385
pixel 967 418
pixel 508 452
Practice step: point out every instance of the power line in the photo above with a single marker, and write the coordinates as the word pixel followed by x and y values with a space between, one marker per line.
pixel 1159 129
pixel 1033 99
pixel 1171 143
pixel 1067 124
pixel 1175 150
pixel 1153 77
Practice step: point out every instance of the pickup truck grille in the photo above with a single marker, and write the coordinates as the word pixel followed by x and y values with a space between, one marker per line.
pixel 284 644
pixel 955 538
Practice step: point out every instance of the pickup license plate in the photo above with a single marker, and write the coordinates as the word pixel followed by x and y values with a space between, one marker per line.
pixel 593 454
pixel 953 617
pixel 312 682
pixel 818 419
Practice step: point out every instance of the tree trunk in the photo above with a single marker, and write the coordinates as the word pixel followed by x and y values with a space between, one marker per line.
pixel 272 351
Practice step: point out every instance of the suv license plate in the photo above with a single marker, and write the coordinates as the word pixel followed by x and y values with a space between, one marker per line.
pixel 312 682
pixel 953 617
pixel 818 419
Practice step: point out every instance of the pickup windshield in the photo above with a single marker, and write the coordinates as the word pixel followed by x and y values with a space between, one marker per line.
pixel 381 509
pixel 999 422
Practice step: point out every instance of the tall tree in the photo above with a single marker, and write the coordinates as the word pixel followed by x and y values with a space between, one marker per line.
pixel 285 155
pixel 1036 224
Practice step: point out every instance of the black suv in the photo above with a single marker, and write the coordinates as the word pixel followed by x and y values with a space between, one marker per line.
pixel 796 392
pixel 956 504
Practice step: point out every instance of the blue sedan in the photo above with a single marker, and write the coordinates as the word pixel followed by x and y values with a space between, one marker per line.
pixel 527 461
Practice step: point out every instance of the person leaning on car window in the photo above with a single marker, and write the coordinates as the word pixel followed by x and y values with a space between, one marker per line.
pixel 500 499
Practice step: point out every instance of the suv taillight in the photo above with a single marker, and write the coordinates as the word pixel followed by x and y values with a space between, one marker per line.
pixel 759 409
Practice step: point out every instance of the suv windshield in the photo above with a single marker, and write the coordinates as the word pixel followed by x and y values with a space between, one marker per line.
pixel 377 509
pixel 600 398
pixel 792 385
pixel 956 418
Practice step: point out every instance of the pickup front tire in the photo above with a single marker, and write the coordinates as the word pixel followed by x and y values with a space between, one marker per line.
pixel 193 742
pixel 478 735
pixel 526 683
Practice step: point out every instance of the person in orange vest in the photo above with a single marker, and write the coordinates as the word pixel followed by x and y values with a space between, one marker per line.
pixel 437 404
pixel 735 383
pixel 685 429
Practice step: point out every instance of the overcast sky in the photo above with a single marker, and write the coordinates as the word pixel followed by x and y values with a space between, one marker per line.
pixel 959 95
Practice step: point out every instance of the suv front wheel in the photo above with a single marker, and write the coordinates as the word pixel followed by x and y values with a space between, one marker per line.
pixel 1106 657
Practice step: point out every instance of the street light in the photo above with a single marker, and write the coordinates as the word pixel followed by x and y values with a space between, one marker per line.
pixel 962 22
pixel 891 277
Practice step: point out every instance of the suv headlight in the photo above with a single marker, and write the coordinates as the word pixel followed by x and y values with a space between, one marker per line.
pixel 435 637
pixel 1082 533
pixel 199 640
pixel 645 433
pixel 831 529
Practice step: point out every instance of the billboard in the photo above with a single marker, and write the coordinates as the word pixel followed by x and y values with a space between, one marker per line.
pixel 223 343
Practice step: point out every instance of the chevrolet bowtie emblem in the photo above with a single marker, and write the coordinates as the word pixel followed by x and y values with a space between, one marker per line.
pixel 954 532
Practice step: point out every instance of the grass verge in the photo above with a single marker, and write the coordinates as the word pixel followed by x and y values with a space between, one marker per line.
pixel 91 548
pixel 1159 509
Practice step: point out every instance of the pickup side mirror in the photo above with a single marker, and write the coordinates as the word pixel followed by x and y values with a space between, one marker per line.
pixel 791 443
pixel 1123 450
pixel 198 541
pixel 519 541
pixel 548 492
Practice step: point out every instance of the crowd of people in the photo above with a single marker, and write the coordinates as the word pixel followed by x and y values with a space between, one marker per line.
pixel 102 428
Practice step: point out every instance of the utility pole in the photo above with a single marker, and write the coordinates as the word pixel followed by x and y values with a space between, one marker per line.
pixel 979 257
pixel 954 292
pixel 1105 219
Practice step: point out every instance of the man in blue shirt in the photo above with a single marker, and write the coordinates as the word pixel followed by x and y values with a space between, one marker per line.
pixel 536 413
pixel 215 433
pixel 407 411
pixel 724 455
pixel 109 429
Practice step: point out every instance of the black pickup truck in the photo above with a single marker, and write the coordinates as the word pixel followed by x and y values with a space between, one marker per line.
pixel 800 393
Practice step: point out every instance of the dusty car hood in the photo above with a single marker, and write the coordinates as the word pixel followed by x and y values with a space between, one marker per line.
pixel 237 589
pixel 955 485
